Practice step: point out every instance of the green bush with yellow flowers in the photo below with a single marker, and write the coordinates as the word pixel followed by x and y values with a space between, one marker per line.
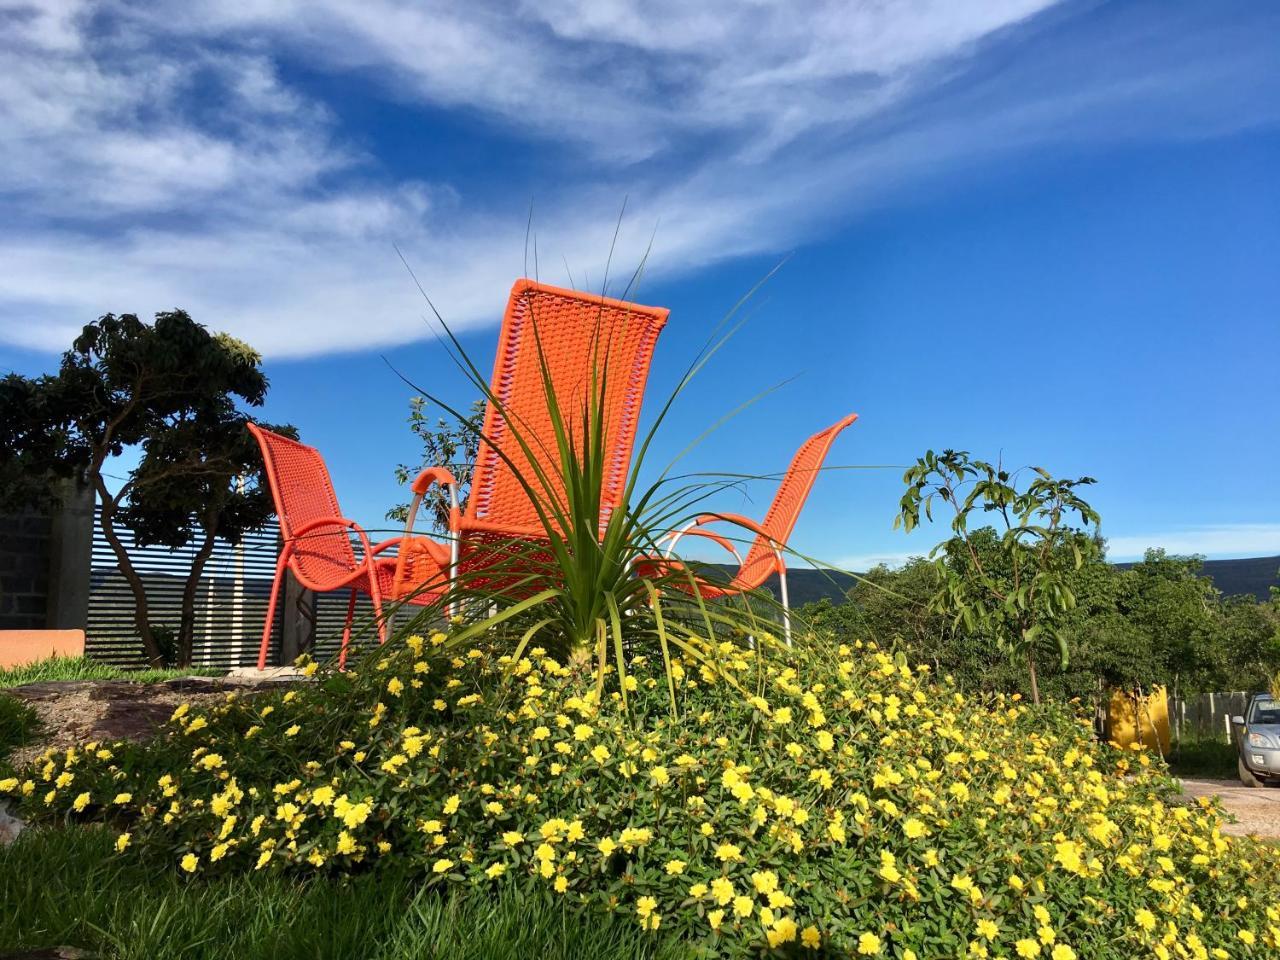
pixel 830 802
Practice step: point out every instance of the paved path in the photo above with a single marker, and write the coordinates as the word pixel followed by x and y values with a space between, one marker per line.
pixel 1256 808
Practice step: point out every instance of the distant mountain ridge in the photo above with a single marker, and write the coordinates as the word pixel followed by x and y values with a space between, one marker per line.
pixel 1248 576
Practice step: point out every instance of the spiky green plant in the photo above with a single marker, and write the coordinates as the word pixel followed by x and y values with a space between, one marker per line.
pixel 576 588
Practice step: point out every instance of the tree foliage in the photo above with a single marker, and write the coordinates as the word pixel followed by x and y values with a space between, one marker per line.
pixel 1012 583
pixel 173 392
pixel 1158 621
pixel 453 444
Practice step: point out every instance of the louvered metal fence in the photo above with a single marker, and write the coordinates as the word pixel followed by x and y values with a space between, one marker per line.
pixel 231 603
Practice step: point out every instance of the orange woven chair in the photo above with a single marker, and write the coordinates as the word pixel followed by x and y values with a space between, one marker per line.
pixel 574 334
pixel 317 537
pixel 765 556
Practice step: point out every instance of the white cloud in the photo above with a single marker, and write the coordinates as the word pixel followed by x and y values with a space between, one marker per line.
pixel 1222 540
pixel 156 156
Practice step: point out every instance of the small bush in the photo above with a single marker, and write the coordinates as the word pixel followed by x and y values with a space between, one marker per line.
pixel 835 800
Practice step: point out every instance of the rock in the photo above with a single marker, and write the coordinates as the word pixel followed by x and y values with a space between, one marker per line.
pixel 10 827
pixel 252 675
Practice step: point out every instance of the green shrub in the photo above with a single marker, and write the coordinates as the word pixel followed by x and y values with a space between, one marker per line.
pixel 837 800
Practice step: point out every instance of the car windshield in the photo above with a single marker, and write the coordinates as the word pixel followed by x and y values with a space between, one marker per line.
pixel 1264 711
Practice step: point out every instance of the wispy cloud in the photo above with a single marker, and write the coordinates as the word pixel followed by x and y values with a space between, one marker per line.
pixel 158 154
pixel 1222 540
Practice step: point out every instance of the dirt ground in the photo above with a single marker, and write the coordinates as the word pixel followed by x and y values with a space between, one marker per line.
pixel 1257 809
pixel 75 711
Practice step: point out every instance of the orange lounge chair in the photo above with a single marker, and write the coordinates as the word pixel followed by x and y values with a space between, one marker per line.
pixel 765 556
pixel 573 334
pixel 317 537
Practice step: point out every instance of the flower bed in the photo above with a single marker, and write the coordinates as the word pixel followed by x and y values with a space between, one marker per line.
pixel 838 801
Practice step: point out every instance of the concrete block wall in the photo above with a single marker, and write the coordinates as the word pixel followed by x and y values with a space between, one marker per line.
pixel 45 562
pixel 25 563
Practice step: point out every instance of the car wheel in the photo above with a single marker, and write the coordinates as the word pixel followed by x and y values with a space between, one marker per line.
pixel 1246 775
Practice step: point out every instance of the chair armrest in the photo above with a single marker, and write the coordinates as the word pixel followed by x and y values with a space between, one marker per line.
pixel 330 522
pixel 747 524
pixel 386 545
pixel 421 484
pixel 691 530
pixel 423 481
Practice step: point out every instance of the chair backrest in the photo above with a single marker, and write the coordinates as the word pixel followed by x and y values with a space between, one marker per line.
pixel 303 492
pixel 572 333
pixel 788 502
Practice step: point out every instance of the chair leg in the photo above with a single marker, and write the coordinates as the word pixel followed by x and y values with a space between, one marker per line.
pixel 375 592
pixel 271 609
pixel 346 631
pixel 786 607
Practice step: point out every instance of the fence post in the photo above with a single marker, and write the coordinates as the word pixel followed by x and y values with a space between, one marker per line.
pixel 298 620
pixel 70 558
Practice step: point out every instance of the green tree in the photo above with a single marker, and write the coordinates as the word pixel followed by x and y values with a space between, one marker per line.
pixel 1020 590
pixel 454 446
pixel 172 391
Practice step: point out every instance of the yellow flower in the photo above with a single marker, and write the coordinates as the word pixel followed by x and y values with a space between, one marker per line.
pixel 1246 937
pixel 122 842
pixel 451 805
pixel 743 906
pixel 675 867
pixel 1063 952
pixel 715 918
pixel 811 938
pixel 190 862
pixel 442 866
pixel 80 802
pixel 913 828
pixel 395 687
pixel 728 851
pixel 292 731
pixel 600 753
pixel 512 837
pixel 646 906
pixel 722 890
pixel 988 929
pixel 607 846
pixel 868 944
pixel 561 885
pixel 1145 919
pixel 495 870
pixel 8 785
pixel 1027 948
pixel 122 798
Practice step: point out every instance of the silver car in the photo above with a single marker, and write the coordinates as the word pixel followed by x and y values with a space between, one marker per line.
pixel 1259 738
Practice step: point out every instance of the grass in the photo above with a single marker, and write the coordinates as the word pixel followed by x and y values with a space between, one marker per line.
pixel 1207 757
pixel 66 886
pixel 82 668
pixel 18 724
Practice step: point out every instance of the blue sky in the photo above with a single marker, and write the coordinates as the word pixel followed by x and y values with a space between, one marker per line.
pixel 1043 231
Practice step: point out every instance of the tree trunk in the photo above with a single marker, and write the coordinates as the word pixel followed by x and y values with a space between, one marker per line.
pixel 141 610
pixel 1035 685
pixel 187 621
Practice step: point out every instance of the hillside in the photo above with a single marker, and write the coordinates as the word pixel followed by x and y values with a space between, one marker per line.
pixel 1251 575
